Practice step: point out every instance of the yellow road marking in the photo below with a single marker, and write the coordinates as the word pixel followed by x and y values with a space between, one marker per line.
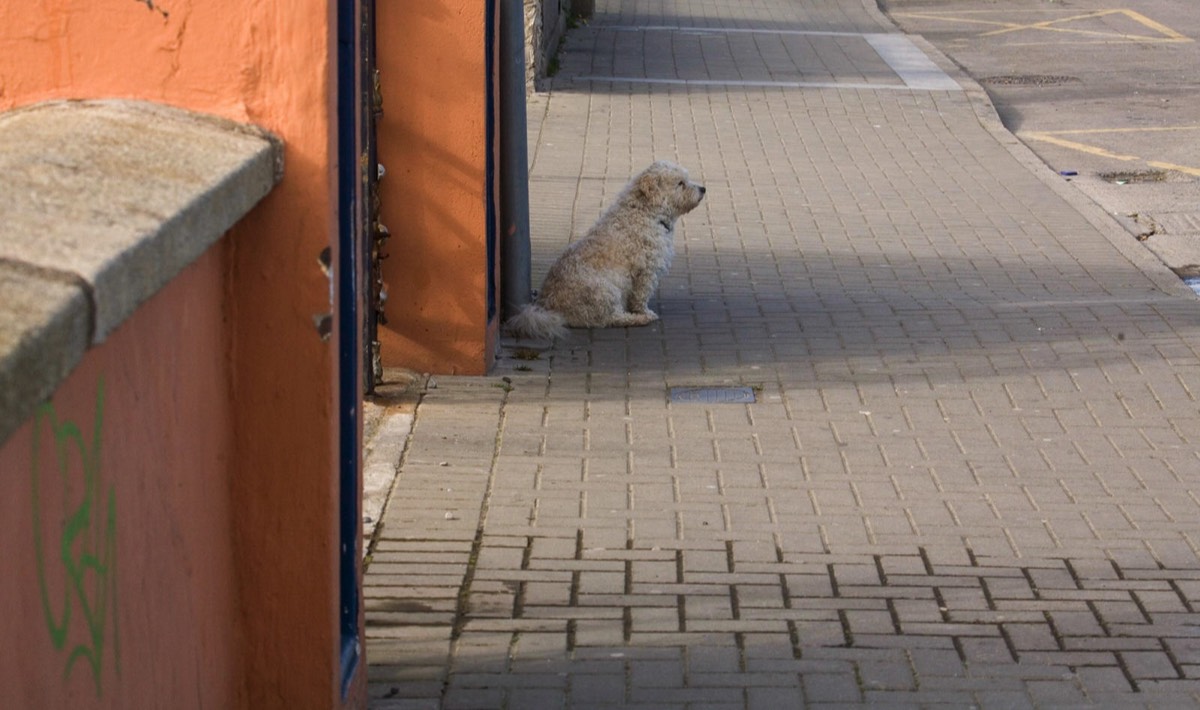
pixel 1045 25
pixel 1166 34
pixel 1081 147
pixel 1157 26
pixel 1173 166
pixel 1054 138
pixel 1093 131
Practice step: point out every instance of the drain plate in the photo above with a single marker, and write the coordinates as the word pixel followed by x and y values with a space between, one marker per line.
pixel 713 395
pixel 1123 177
pixel 1029 80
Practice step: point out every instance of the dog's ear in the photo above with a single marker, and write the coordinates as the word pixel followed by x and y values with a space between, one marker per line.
pixel 646 186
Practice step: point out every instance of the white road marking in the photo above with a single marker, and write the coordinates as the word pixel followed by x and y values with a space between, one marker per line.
pixel 914 68
pixel 910 63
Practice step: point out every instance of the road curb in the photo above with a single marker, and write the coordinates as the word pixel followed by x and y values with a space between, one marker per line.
pixel 1109 225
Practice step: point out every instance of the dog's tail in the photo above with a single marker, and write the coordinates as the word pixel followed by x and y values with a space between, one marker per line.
pixel 533 321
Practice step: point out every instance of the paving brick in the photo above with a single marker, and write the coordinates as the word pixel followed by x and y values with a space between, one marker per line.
pixel 546 593
pixel 1148 665
pixel 1030 637
pixel 758 596
pixel 652 619
pixel 404 702
pixel 472 698
pixel 407 675
pixel 716 697
pixel 934 663
pixel 1111 643
pixel 770 698
pixel 601 582
pixel 1016 700
pixel 886 675
pixel 1183 650
pixel 1099 683
pixel 972 411
pixel 1076 623
pixel 869 622
pixel 1053 694
pixel 829 687
pixel 607 689
pixel 656 674
pixel 536 698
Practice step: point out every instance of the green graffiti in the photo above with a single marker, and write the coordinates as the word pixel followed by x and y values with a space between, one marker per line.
pixel 87 528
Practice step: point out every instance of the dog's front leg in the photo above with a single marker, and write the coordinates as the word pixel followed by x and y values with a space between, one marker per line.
pixel 638 301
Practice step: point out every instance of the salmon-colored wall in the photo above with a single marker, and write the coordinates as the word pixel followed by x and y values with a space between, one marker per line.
pixel 271 64
pixel 433 141
pixel 134 445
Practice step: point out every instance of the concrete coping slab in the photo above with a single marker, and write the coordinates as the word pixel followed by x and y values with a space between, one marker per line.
pixel 102 203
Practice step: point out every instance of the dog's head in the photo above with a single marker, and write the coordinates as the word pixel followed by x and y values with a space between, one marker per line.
pixel 665 187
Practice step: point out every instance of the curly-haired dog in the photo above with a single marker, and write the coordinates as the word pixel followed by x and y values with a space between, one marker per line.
pixel 606 278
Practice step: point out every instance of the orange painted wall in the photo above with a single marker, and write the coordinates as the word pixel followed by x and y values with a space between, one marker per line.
pixel 151 410
pixel 433 142
pixel 270 64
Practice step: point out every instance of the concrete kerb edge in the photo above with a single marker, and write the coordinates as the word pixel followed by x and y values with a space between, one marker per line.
pixel 389 418
pixel 383 450
pixel 1109 225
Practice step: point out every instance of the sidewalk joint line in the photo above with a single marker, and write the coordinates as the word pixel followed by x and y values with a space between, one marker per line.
pixel 753 84
pixel 731 30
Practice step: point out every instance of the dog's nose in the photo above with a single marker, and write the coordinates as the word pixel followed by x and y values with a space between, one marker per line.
pixel 702 190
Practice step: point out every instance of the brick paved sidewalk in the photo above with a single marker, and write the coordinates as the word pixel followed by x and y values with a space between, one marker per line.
pixel 970 473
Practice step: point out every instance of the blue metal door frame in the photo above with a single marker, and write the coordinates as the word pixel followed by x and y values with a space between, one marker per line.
pixel 490 76
pixel 350 309
pixel 356 298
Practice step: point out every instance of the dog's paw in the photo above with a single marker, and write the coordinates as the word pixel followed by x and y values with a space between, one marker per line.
pixel 627 320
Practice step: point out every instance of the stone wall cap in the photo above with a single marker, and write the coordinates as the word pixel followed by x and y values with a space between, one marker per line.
pixel 102 203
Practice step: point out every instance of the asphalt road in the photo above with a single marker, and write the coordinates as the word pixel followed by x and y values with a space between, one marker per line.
pixel 1103 91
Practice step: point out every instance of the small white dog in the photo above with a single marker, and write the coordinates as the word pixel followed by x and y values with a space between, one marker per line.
pixel 606 278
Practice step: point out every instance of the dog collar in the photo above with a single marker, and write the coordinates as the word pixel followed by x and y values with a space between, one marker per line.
pixel 665 223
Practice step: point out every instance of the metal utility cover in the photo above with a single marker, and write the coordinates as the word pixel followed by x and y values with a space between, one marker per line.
pixel 713 395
